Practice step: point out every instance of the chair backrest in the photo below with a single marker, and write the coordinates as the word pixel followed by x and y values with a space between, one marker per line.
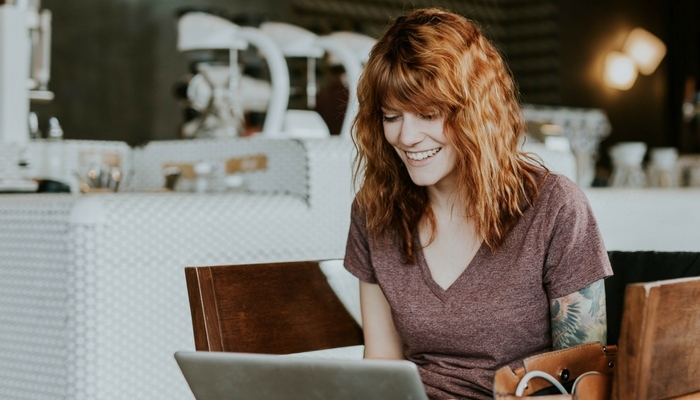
pixel 273 308
pixel 642 266
pixel 659 352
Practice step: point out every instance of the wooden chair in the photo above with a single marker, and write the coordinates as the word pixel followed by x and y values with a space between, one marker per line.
pixel 659 349
pixel 274 308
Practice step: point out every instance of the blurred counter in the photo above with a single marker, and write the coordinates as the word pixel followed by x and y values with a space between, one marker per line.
pixel 661 219
pixel 93 300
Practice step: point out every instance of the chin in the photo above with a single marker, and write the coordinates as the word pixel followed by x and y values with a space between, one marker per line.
pixel 423 181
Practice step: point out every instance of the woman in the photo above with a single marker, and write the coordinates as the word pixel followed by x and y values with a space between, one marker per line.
pixel 471 256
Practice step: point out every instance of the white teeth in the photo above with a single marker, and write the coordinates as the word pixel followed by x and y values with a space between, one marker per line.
pixel 423 154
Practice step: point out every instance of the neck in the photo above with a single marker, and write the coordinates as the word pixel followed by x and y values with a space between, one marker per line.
pixel 446 202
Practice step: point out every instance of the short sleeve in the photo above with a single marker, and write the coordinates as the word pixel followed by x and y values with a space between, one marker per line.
pixel 576 256
pixel 358 259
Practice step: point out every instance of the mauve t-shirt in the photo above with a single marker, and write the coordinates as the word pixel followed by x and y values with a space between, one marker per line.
pixel 497 311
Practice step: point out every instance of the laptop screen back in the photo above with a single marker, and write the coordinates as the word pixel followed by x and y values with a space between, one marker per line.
pixel 243 376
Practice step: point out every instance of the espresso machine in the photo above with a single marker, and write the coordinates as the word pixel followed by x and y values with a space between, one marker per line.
pixel 217 93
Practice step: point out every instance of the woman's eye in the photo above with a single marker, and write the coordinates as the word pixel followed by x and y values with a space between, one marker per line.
pixel 427 116
pixel 389 118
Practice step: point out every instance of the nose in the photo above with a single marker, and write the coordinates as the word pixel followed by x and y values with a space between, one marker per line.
pixel 411 133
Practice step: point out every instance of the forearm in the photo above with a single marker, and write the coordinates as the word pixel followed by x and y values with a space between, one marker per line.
pixel 381 338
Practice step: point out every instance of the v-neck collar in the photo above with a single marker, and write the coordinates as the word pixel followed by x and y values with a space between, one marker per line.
pixel 443 294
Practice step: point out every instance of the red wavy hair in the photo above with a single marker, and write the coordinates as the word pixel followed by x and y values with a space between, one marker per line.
pixel 436 60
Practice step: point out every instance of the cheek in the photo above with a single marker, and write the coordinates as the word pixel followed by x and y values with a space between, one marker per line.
pixel 438 129
pixel 390 133
pixel 452 160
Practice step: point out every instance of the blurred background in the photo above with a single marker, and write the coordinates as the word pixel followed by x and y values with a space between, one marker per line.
pixel 115 64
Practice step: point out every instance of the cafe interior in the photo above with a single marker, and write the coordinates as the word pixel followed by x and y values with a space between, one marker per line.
pixel 144 143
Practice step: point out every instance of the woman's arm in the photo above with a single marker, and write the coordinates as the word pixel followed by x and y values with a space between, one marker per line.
pixel 381 338
pixel 579 317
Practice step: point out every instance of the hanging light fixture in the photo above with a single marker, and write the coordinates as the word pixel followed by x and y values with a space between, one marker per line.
pixel 642 53
pixel 646 49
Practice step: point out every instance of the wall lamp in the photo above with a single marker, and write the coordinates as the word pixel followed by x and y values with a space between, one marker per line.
pixel 641 53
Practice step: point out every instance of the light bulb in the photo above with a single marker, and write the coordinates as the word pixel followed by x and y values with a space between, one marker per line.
pixel 645 49
pixel 620 70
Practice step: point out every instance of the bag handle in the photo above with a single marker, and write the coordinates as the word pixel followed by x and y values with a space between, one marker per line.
pixel 537 374
pixel 575 361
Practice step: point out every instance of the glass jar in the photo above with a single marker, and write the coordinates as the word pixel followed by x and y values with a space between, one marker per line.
pixel 627 160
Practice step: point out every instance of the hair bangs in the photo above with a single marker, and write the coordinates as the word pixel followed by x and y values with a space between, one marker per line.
pixel 401 87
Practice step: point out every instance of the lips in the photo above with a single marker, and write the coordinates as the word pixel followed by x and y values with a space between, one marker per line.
pixel 422 155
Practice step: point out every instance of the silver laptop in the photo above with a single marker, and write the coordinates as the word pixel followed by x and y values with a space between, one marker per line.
pixel 242 376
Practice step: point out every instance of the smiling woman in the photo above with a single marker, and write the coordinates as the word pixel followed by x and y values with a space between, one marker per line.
pixel 470 254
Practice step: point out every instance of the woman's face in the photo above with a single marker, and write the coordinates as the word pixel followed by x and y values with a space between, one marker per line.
pixel 420 142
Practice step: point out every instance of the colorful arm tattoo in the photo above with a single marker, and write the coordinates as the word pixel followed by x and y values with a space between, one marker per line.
pixel 579 317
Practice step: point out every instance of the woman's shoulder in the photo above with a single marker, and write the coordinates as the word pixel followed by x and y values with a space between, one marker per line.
pixel 558 185
pixel 558 191
pixel 548 191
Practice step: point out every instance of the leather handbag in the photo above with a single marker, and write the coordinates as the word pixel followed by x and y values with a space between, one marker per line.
pixel 587 369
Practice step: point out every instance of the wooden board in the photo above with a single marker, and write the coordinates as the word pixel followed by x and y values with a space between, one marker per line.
pixel 659 348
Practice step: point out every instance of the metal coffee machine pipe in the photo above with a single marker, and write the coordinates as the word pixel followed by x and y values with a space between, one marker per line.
pixel 25 47
pixel 14 73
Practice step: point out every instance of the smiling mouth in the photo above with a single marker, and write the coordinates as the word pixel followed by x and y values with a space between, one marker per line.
pixel 418 156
